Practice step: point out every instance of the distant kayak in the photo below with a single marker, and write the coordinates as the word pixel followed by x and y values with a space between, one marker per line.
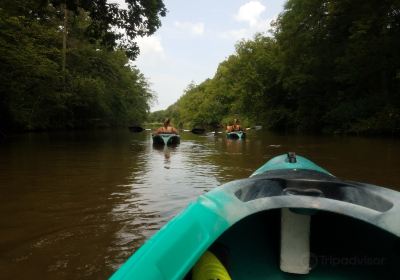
pixel 236 135
pixel 166 139
pixel 290 219
pixel 198 130
pixel 134 128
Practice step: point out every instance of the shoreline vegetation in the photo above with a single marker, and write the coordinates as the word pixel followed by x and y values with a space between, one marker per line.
pixel 68 64
pixel 330 67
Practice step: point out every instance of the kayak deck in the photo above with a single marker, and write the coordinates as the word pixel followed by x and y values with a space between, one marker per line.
pixel 353 229
pixel 166 139
pixel 236 135
pixel 341 247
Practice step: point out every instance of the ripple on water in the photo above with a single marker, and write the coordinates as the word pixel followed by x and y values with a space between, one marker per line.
pixel 76 206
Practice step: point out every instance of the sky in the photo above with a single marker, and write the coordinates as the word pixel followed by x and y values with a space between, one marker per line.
pixel 194 38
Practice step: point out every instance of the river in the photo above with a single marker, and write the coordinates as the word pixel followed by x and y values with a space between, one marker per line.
pixel 75 205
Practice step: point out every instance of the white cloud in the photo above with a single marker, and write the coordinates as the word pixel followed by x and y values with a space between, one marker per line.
pixel 262 26
pixel 194 28
pixel 150 45
pixel 250 12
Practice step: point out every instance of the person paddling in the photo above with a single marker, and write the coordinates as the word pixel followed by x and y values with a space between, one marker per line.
pixel 235 127
pixel 167 128
pixel 229 127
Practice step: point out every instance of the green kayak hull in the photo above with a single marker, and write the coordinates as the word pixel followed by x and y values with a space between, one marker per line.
pixel 166 139
pixel 355 228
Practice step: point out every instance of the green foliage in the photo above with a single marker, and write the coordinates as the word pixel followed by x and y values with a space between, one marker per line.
pixel 98 88
pixel 29 75
pixel 329 66
pixel 243 86
pixel 110 25
pixel 157 116
pixel 340 61
pixel 142 18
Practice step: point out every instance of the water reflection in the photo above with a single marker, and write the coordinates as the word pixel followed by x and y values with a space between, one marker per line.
pixel 166 151
pixel 56 200
pixel 163 181
pixel 76 205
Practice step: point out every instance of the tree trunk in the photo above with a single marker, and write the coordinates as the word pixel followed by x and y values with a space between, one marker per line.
pixel 64 49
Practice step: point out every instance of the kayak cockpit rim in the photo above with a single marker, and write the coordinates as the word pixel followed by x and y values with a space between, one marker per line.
pixel 372 204
pixel 316 185
pixel 300 186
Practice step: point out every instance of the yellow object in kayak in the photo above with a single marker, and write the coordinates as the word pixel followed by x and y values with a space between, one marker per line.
pixel 209 268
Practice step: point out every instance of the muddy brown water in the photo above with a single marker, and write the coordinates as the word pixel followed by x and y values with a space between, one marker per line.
pixel 75 205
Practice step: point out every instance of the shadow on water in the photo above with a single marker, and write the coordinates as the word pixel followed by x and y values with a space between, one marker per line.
pixel 77 204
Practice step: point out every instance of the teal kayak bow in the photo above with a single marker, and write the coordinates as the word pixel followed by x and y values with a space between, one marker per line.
pixel 236 135
pixel 166 139
pixel 290 219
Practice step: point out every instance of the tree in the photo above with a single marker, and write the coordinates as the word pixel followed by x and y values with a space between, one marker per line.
pixel 98 87
pixel 110 25
pixel 116 27
pixel 330 66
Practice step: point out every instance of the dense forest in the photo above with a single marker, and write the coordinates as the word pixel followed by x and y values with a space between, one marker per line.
pixel 327 66
pixel 65 63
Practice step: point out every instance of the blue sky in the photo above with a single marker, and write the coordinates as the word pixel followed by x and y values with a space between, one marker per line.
pixel 194 38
